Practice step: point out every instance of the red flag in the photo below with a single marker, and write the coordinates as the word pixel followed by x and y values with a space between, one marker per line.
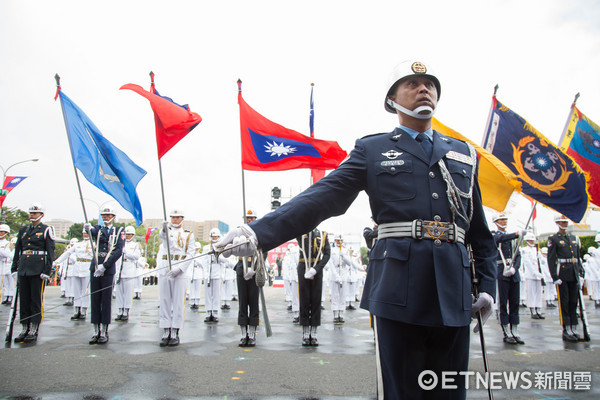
pixel 267 146
pixel 149 232
pixel 173 121
pixel 10 182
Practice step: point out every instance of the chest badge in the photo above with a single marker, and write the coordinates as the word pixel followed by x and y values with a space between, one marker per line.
pixel 391 154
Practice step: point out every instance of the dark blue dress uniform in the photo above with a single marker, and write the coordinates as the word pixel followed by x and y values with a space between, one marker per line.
pixel 564 262
pixel 34 255
pixel 418 290
pixel 110 243
pixel 508 286
pixel 248 313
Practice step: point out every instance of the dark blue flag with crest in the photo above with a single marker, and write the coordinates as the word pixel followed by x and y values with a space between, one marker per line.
pixel 546 173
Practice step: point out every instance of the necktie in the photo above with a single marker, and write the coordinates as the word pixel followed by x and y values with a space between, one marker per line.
pixel 425 144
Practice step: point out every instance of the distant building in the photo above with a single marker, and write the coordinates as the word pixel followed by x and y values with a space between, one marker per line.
pixel 61 226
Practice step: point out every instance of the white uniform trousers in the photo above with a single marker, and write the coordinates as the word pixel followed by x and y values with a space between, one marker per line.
pixel 69 286
pixel 227 290
pixel 349 291
pixel 523 291
pixel 295 296
pixel 287 286
pixel 137 284
pixel 337 296
pixel 125 292
pixel 549 292
pixel 171 296
pixel 595 290
pixel 195 290
pixel 80 286
pixel 534 293
pixel 8 285
pixel 212 295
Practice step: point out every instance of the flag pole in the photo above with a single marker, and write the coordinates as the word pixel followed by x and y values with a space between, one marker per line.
pixel 162 186
pixel 564 131
pixel 489 119
pixel 239 82
pixel 58 88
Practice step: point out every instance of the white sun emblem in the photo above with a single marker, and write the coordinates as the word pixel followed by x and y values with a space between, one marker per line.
pixel 279 149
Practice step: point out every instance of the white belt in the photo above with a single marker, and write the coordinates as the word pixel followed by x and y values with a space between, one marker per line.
pixel 423 229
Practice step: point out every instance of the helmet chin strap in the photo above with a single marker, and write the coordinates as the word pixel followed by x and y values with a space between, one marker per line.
pixel 177 226
pixel 110 221
pixel 36 219
pixel 416 113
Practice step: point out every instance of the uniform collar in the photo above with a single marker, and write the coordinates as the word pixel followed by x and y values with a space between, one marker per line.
pixel 405 141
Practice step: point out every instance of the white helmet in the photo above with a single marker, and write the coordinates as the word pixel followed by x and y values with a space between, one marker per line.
pixel 4 228
pixel 36 207
pixel 338 237
pixel 108 210
pixel 544 250
pixel 500 216
pixel 198 245
pixel 529 236
pixel 215 232
pixel 586 257
pixel 597 238
pixel 73 241
pixel 129 230
pixel 404 70
pixel 250 213
pixel 591 250
pixel 561 218
pixel 177 213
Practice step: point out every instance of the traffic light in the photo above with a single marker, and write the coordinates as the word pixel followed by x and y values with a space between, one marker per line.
pixel 275 195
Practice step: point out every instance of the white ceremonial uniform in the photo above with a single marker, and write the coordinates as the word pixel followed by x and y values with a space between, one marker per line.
pixel 127 274
pixel 533 275
pixel 290 278
pixel 79 257
pixel 171 290
pixel 6 256
pixel 212 280
pixel 339 268
pixel 549 289
pixel 66 284
pixel 196 281
pixel 139 277
pixel 353 276
pixel 592 276
pixel 228 278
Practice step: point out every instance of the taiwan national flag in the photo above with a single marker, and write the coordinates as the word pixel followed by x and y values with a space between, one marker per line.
pixel 149 232
pixel 267 146
pixel 10 182
pixel 581 140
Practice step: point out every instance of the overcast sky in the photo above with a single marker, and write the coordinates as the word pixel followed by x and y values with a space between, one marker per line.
pixel 540 53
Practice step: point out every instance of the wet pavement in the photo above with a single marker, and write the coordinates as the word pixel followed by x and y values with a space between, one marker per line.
pixel 208 364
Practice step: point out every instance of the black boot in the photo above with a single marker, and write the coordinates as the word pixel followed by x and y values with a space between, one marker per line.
pixel 251 336
pixel 305 335
pixel 77 314
pixel 534 315
pixel 33 333
pixel 244 340
pixel 103 338
pixel 94 338
pixel 515 333
pixel 174 341
pixel 508 338
pixel 540 316
pixel 567 336
pixel 21 337
pixel 166 337
pixel 313 336
pixel 125 316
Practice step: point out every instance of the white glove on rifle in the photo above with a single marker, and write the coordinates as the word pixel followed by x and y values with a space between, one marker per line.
pixel 99 271
pixel 175 272
pixel 249 275
pixel 44 276
pixel 165 226
pixel 236 236
pixel 510 272
pixel 310 274
pixel 484 306
pixel 86 227
pixel 558 282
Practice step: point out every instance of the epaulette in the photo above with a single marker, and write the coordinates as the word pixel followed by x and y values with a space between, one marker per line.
pixel 375 134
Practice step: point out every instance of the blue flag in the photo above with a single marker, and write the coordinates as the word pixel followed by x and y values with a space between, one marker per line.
pixel 546 173
pixel 102 164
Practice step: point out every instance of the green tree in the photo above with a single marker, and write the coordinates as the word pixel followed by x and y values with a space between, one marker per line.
pixel 75 231
pixel 15 218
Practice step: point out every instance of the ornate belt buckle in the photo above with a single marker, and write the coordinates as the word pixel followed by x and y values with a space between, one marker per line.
pixel 435 230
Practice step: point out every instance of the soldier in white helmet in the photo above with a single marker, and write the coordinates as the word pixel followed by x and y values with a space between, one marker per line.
pixel 196 278
pixel 339 265
pixel 126 274
pixel 549 288
pixel 6 255
pixel 533 273
pixel 594 277
pixel 212 272
pixel 171 289
pixel 227 277
pixel 32 260
pixel 290 280
pixel 138 281
pixel 66 265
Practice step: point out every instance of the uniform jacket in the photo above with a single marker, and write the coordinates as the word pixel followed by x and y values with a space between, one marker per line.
pixel 182 246
pixel 339 265
pixel 532 268
pixel 564 246
pixel 79 257
pixel 6 255
pixel 409 280
pixel 108 243
pixel 316 247
pixel 38 238
pixel 127 264
pixel 290 265
pixel 506 241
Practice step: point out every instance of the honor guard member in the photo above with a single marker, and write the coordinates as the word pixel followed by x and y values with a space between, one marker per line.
pixel 314 255
pixel 228 282
pixel 338 265
pixel 108 241
pixel 549 288
pixel 248 314
pixel 593 276
pixel 425 197
pixel 126 274
pixel 6 256
pixel 66 283
pixel 508 280
pixel 80 256
pixel 530 260
pixel 290 281
pixel 565 266
pixel 196 279
pixel 212 273
pixel 139 278
pixel 171 289
pixel 32 260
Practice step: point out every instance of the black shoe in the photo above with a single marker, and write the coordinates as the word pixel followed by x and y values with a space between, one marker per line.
pixel 289 308
pixel 215 319
pixel 551 305
pixel 296 320
pixel 509 340
pixel 21 337
pixel 350 307
pixel 306 342
pixel 103 339
pixel 124 318
pixel 314 341
pixel 119 317
pixel 535 316
pixel 94 339
pixel 234 298
pixel 597 305
pixel 31 337
pixel 62 295
pixel 523 305
pixel 173 341
pixel 223 307
pixel 82 317
pixel 76 316
pixel 518 340
pixel 208 319
pixel 251 342
pixel 164 341
pixel 243 342
pixel 340 320
pixel 322 307
pixel 568 337
pixel 540 316
pixel 66 303
pixel 5 302
pixel 228 307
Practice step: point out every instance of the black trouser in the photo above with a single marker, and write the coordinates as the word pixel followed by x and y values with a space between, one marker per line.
pixel 309 293
pixel 569 296
pixel 247 301
pixel 508 299
pixel 404 351
pixel 101 297
pixel 31 290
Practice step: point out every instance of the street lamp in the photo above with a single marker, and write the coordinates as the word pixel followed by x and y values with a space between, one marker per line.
pixel 4 172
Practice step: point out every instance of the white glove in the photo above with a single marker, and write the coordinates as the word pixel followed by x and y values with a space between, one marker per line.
pixel 510 272
pixel 14 274
pixel 522 233
pixel 44 276
pixel 249 275
pixel 165 226
pixel 99 271
pixel 87 226
pixel 558 282
pixel 237 236
pixel 483 305
pixel 581 281
pixel 310 273
pixel 175 272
